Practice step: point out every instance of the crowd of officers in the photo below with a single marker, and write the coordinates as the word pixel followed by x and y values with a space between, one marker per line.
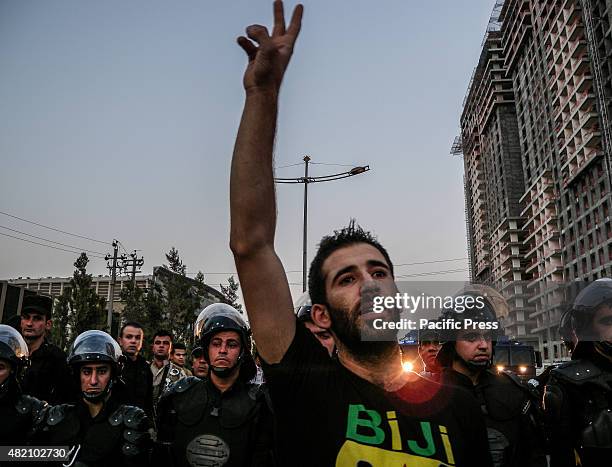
pixel 116 408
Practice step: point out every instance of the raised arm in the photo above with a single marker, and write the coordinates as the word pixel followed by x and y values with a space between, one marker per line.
pixel 252 198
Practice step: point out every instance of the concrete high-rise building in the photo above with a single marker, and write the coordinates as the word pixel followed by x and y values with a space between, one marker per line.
pixel 535 137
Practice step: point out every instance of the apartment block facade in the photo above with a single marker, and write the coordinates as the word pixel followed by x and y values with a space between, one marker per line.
pixel 535 140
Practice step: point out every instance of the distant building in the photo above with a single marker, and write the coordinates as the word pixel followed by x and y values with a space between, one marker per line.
pixel 536 140
pixel 54 286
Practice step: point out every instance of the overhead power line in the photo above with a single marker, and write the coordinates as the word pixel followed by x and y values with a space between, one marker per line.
pixel 48 246
pixel 395 266
pixel 54 229
pixel 431 262
pixel 51 241
pixel 432 273
pixel 290 165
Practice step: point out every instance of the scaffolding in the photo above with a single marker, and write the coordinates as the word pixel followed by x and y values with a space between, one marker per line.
pixel 457 147
pixel 495 22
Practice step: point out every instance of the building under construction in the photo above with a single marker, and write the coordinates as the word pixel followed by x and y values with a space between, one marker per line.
pixel 536 139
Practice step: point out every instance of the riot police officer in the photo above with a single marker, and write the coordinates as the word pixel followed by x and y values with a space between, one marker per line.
pixel 107 432
pixel 578 396
pixel 303 307
pixel 19 413
pixel 508 408
pixel 222 420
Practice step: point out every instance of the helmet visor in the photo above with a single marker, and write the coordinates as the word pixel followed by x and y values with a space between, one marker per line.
pixel 95 345
pixel 13 341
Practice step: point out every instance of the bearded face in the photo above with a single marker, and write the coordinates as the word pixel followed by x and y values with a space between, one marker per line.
pixel 358 335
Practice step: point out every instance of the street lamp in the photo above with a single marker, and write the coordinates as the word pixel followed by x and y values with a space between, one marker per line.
pixel 306 180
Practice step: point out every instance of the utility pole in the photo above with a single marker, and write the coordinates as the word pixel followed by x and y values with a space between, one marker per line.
pixel 113 270
pixel 134 263
pixel 305 234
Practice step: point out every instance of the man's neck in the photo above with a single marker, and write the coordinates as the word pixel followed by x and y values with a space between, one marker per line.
pixel 384 370
pixel 94 408
pixel 159 363
pixel 133 357
pixel 34 345
pixel 459 367
pixel 223 384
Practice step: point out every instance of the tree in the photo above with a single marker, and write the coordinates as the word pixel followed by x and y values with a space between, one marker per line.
pixel 78 308
pixel 174 262
pixel 200 277
pixel 181 298
pixel 231 293
pixel 135 307
pixel 87 308
pixel 61 320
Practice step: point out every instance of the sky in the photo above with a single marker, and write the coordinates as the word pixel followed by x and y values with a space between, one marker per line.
pixel 118 119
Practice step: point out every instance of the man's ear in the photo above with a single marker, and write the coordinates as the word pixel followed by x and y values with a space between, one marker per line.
pixel 320 316
pixel 48 324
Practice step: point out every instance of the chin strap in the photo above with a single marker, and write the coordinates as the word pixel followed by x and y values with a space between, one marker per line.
pixel 223 372
pixel 474 366
pixel 102 396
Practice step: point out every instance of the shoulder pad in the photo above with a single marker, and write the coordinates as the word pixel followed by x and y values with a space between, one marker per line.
pixel 26 405
pixel 576 371
pixel 517 382
pixel 130 416
pixel 512 377
pixel 57 413
pixel 182 385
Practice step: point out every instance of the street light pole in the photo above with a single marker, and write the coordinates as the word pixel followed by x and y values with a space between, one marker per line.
pixel 306 180
pixel 305 235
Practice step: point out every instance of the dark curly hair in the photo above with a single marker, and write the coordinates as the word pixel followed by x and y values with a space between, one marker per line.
pixel 349 235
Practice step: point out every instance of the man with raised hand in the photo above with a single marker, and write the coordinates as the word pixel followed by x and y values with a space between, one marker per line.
pixel 375 413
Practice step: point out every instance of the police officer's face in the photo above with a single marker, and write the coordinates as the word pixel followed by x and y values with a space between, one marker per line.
pixel 602 323
pixel 353 276
pixel 200 367
pixel 178 357
pixel 162 346
pixel 224 349
pixel 34 325
pixel 95 377
pixel 474 346
pixel 131 340
pixel 5 370
pixel 322 335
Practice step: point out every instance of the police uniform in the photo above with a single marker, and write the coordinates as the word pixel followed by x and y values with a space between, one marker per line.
pixel 508 410
pixel 200 425
pixel 19 413
pixel 118 436
pixel 578 405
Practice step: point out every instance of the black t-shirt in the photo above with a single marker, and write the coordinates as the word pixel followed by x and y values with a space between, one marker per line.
pixel 328 416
